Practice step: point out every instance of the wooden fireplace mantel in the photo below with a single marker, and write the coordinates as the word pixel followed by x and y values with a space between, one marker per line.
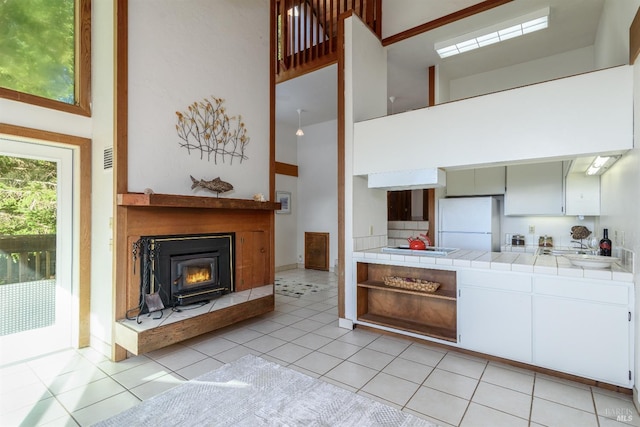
pixel 179 201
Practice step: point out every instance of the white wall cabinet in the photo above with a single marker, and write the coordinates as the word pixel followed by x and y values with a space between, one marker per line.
pixel 588 334
pixel 494 314
pixel 582 194
pixel 535 189
pixel 476 182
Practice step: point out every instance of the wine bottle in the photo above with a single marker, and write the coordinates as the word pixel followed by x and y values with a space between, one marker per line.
pixel 605 243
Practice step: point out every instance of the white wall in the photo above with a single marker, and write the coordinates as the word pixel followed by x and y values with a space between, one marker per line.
pixel 181 52
pixel 286 225
pixel 318 185
pixel 549 68
pixel 619 206
pixel 396 19
pixel 588 113
pixel 612 40
pixel 365 77
pixel 102 75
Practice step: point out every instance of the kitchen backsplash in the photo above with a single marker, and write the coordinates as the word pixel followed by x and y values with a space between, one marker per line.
pixel 399 231
pixel 369 242
pixel 557 227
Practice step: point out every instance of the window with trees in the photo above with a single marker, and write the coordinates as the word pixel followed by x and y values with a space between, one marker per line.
pixel 45 53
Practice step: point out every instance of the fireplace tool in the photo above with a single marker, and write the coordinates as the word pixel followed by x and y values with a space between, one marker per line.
pixel 150 302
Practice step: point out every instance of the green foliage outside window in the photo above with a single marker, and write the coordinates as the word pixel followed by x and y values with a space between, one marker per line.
pixel 28 194
pixel 37 48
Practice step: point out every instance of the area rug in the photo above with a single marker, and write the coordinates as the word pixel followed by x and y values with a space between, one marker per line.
pixel 296 289
pixel 254 392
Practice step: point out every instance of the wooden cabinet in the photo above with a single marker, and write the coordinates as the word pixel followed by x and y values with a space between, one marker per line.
pixel 252 257
pixel 535 189
pixel 494 314
pixel 582 194
pixel 430 314
pixel 588 334
pixel 476 182
pixel 316 251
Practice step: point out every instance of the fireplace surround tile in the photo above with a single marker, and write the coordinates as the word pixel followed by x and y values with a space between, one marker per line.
pixel 149 322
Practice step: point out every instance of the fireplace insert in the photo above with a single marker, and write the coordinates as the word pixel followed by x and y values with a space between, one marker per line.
pixel 186 269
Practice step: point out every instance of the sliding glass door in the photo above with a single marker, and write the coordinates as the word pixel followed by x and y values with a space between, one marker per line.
pixel 36 249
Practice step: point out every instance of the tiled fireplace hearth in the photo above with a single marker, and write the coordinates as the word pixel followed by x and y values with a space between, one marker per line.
pixel 249 294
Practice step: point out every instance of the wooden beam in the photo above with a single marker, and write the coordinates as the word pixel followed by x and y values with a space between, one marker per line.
pixel 447 19
pixel 286 169
pixel 341 166
pixel 120 167
pixel 307 67
pixel 189 202
pixel 432 86
pixel 634 38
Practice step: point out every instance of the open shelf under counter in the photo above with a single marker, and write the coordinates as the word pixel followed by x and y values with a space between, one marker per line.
pixel 439 294
pixel 179 201
pixel 430 314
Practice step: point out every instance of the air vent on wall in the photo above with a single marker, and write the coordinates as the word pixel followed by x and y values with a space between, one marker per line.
pixel 108 158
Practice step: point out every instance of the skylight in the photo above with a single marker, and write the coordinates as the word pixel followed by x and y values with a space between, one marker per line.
pixel 496 33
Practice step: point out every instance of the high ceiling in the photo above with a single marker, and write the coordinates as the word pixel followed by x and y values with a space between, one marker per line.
pixel 573 24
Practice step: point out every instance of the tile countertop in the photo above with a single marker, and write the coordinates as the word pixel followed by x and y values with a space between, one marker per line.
pixel 503 261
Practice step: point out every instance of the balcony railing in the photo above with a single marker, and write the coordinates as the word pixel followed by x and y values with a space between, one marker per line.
pixel 307 31
pixel 27 258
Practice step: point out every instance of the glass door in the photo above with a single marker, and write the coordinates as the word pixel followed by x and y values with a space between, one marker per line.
pixel 36 249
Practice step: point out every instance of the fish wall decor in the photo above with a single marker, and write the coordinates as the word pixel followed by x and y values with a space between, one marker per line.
pixel 216 185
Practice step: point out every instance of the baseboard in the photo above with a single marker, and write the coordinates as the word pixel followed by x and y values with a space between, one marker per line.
pixel 287 267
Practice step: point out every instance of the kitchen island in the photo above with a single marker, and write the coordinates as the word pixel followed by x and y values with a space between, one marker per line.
pixel 539 310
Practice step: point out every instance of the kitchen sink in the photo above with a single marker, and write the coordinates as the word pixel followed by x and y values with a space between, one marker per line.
pixel 428 251
pixel 569 251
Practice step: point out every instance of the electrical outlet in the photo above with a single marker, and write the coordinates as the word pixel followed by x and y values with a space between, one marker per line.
pixel 371 230
pixel 532 229
pixel 615 237
pixel 622 238
pixel 299 258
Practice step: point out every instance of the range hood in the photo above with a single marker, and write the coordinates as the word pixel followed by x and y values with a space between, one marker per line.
pixel 408 179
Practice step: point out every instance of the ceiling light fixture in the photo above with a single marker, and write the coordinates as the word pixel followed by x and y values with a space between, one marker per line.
pixel 601 164
pixel 299 132
pixel 496 33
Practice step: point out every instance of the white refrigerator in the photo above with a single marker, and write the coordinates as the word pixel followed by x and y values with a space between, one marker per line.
pixel 469 223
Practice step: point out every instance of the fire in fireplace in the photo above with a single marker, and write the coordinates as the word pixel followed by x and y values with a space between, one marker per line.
pixel 186 269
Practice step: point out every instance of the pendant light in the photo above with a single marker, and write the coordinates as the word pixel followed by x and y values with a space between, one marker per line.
pixel 299 132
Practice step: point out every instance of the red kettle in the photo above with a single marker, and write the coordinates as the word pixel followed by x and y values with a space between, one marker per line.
pixel 416 244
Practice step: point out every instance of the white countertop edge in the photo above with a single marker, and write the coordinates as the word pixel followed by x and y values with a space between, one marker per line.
pixel 521 263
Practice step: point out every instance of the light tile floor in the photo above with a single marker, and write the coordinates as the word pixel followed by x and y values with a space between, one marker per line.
pixel 81 387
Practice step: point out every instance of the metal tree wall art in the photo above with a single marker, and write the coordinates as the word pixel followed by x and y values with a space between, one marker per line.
pixel 206 127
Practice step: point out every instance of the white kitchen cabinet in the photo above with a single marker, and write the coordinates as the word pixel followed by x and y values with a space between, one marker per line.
pixel 583 328
pixel 476 182
pixel 461 183
pixel 582 194
pixel 534 189
pixel 494 314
